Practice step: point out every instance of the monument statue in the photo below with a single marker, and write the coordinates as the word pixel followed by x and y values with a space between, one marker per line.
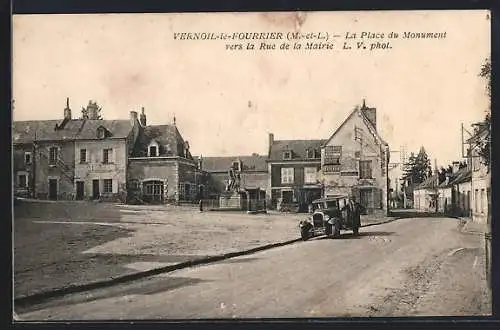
pixel 234 180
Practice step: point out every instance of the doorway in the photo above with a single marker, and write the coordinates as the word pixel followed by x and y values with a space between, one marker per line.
pixel 95 189
pixel 153 192
pixel 53 189
pixel 79 190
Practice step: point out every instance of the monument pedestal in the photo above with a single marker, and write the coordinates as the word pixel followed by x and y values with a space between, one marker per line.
pixel 232 200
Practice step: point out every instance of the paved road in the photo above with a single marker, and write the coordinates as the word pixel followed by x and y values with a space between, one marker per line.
pixel 407 267
pixel 72 243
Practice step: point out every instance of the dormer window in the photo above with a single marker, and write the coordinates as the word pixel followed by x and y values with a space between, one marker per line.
pixel 310 153
pixel 101 133
pixel 236 166
pixel 153 149
pixel 153 152
pixel 287 154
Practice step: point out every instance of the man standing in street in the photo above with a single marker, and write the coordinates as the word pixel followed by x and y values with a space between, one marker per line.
pixel 353 213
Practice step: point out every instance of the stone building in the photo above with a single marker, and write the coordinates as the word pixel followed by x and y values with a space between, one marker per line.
pixel 354 161
pixel 451 195
pixel 161 168
pixel 293 167
pixel 425 195
pixel 102 148
pixel 481 174
pixel 83 158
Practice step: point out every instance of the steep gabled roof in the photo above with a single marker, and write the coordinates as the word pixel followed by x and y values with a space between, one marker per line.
pixel 254 163
pixel 162 134
pixel 359 112
pixel 168 137
pixel 298 147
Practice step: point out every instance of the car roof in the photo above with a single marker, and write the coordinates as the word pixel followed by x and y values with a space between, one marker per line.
pixel 328 199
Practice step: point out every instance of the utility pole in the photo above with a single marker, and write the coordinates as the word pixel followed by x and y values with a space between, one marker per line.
pixel 33 166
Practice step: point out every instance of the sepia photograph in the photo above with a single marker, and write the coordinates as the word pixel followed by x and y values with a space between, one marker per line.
pixel 251 165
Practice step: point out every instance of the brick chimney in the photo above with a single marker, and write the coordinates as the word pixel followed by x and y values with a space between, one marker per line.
pixel 200 162
pixel 67 110
pixel 133 118
pixel 143 118
pixel 93 110
pixel 455 167
pixel 370 114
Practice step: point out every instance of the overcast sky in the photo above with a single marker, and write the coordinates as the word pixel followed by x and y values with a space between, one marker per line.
pixel 226 102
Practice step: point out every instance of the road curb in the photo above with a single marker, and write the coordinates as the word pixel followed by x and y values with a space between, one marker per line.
pixel 380 223
pixel 39 297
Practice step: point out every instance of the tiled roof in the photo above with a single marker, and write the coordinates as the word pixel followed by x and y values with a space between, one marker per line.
pixel 222 164
pixel 298 147
pixel 119 129
pixel 75 129
pixel 168 137
pixel 462 175
pixel 160 133
pixel 28 131
pixel 430 182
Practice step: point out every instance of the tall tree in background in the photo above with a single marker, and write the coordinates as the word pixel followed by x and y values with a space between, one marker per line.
pixel 418 168
pixel 416 171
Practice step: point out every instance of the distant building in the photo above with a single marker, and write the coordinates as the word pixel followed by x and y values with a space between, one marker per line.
pixel 354 161
pixel 425 195
pixel 251 169
pixel 451 196
pixel 293 167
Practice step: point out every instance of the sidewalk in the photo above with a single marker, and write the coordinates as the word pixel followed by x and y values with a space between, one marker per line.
pixel 474 227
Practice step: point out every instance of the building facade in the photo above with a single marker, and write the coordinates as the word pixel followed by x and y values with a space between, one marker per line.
pixel 451 195
pixel 293 173
pixel 84 158
pixel 481 174
pixel 161 168
pixel 101 158
pixel 354 161
pixel 43 157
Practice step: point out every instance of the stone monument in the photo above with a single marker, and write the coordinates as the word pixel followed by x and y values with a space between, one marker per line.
pixel 232 197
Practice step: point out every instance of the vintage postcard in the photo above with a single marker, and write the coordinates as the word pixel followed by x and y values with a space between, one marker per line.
pixel 251 165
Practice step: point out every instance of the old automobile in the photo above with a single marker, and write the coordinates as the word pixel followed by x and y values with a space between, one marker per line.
pixel 329 216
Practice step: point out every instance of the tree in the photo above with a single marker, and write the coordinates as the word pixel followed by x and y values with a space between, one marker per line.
pixel 484 147
pixel 418 168
pixel 416 171
pixel 486 74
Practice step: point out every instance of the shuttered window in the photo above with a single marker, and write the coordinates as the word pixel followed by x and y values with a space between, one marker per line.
pixel 365 169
